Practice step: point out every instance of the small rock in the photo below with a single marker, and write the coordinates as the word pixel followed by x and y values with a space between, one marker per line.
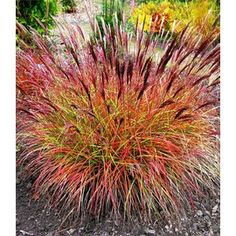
pixel 214 209
pixel 31 218
pixel 149 231
pixel 80 229
pixel 167 227
pixel 186 234
pixel 47 213
pixel 199 213
pixel 26 233
pixel 176 229
pixel 208 213
pixel 71 231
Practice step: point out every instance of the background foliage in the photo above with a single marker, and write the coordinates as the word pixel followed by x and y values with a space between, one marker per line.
pixel 202 15
pixel 69 5
pixel 32 12
pixel 110 9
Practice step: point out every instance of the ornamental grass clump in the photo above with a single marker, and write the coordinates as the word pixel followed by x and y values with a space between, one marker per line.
pixel 117 126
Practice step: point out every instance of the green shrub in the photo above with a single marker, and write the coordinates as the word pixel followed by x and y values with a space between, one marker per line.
pixel 69 5
pixel 37 13
pixel 110 9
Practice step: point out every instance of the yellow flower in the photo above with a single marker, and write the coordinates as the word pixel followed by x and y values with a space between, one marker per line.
pixel 148 12
pixel 200 14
